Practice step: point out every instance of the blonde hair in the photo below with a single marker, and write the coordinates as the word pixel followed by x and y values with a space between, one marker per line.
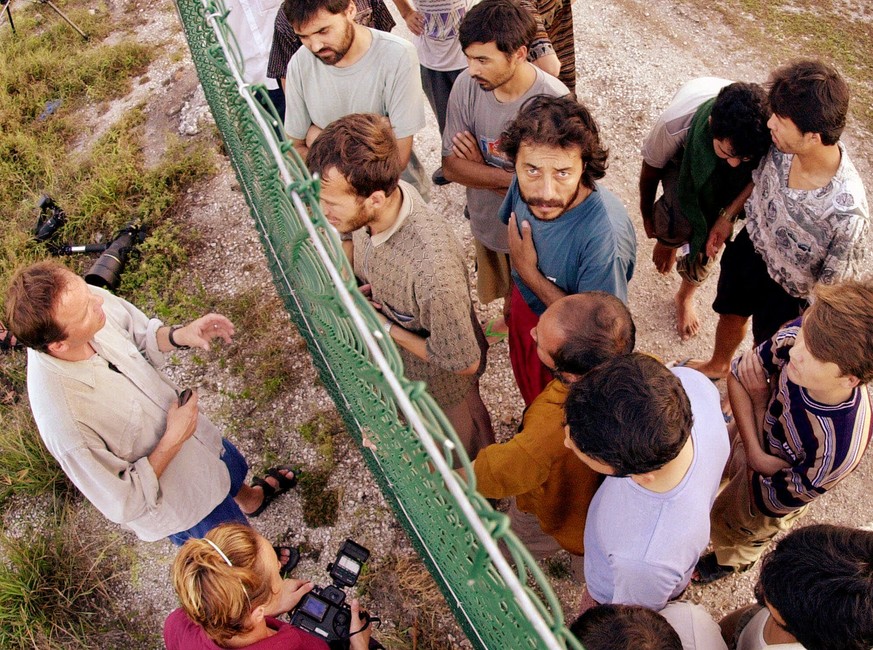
pixel 216 595
pixel 838 327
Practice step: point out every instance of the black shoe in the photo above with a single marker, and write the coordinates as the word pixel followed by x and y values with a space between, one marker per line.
pixel 709 570
pixel 438 178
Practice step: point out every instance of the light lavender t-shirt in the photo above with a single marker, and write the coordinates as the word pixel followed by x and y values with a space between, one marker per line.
pixel 641 546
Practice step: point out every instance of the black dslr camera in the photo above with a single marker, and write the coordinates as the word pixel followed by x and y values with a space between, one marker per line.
pixel 323 611
pixel 106 271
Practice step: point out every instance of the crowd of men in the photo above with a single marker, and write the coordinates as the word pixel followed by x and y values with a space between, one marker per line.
pixel 633 468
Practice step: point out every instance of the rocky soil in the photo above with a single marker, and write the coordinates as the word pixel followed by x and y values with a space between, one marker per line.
pixel 631 56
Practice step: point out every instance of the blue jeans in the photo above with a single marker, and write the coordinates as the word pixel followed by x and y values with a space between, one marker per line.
pixel 227 510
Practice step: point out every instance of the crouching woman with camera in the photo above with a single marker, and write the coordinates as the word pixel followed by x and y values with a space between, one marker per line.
pixel 229 586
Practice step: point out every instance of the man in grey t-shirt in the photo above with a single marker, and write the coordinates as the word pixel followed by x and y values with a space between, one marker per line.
pixel 347 68
pixel 484 99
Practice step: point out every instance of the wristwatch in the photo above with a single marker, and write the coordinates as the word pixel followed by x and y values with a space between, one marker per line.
pixel 173 340
pixel 732 218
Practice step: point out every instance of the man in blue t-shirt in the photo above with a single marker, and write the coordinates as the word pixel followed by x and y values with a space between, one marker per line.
pixel 567 234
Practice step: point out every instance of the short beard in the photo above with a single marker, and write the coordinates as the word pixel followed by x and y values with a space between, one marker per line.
pixel 336 56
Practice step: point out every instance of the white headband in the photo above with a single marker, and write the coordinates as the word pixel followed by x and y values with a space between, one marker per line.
pixel 218 550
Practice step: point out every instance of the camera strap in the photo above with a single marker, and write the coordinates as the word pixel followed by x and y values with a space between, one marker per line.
pixel 367 620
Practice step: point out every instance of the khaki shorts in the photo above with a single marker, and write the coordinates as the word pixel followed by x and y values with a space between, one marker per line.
pixel 493 279
pixel 740 533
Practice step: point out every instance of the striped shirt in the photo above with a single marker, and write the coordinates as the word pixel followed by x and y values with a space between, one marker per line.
pixel 823 443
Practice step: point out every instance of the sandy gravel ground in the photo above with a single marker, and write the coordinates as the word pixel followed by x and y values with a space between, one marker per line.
pixel 631 57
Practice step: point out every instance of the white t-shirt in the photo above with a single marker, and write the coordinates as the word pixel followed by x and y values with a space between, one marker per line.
pixel 251 22
pixel 641 546
pixel 439 47
pixel 694 626
pixel 670 132
pixel 752 636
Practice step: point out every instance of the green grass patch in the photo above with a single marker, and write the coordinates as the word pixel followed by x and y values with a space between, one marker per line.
pixel 55 588
pixel 26 467
pixel 319 503
pixel 265 361
pixel 822 29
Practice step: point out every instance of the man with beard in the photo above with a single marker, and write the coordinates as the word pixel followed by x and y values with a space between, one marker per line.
pixel 347 68
pixel 567 234
pixel 494 35
pixel 411 267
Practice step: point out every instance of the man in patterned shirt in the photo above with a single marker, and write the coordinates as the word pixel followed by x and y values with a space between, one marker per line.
pixel 807 218
pixel 411 267
pixel 803 422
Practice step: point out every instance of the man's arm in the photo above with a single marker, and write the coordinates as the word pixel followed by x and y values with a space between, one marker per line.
pixel 404 145
pixel 749 426
pixel 523 256
pixel 549 63
pixel 300 147
pixel 181 425
pixel 650 178
pixel 463 161
pixel 196 334
pixel 723 227
pixel 541 51
pixel 418 346
pixel 476 175
pixel 297 119
pixel 414 19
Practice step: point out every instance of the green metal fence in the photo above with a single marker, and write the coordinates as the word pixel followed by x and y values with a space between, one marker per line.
pixel 452 527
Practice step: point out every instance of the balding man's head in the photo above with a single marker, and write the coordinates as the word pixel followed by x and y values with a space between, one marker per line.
pixel 579 332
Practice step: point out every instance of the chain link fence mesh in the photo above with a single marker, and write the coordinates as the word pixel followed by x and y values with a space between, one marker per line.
pixel 452 527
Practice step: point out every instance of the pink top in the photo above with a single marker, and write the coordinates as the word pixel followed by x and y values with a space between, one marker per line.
pixel 181 633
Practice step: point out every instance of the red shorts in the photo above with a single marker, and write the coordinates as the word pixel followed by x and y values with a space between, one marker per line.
pixel 530 373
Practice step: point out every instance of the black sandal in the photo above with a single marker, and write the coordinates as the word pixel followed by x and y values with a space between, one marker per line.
pixel 293 558
pixel 7 341
pixel 271 492
pixel 709 570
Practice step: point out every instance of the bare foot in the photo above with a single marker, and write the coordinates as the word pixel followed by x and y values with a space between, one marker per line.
pixel 687 323
pixel 663 257
pixel 708 368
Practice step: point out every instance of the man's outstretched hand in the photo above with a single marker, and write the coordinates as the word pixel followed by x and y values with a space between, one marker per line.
pixel 198 333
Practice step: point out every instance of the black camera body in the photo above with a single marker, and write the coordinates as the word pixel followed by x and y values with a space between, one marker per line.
pixel 323 612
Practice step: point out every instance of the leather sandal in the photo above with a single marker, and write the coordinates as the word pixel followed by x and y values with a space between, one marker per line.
pixel 271 492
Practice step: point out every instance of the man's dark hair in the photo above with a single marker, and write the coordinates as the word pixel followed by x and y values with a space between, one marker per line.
pixel 300 12
pixel 559 122
pixel 630 413
pixel 740 114
pixel 362 148
pixel 596 326
pixel 504 22
pixel 31 299
pixel 625 627
pixel 820 580
pixel 813 95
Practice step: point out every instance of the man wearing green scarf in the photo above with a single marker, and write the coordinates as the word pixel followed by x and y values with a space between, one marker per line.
pixel 702 151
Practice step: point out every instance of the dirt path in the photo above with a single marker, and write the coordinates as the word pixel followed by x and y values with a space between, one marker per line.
pixel 631 58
